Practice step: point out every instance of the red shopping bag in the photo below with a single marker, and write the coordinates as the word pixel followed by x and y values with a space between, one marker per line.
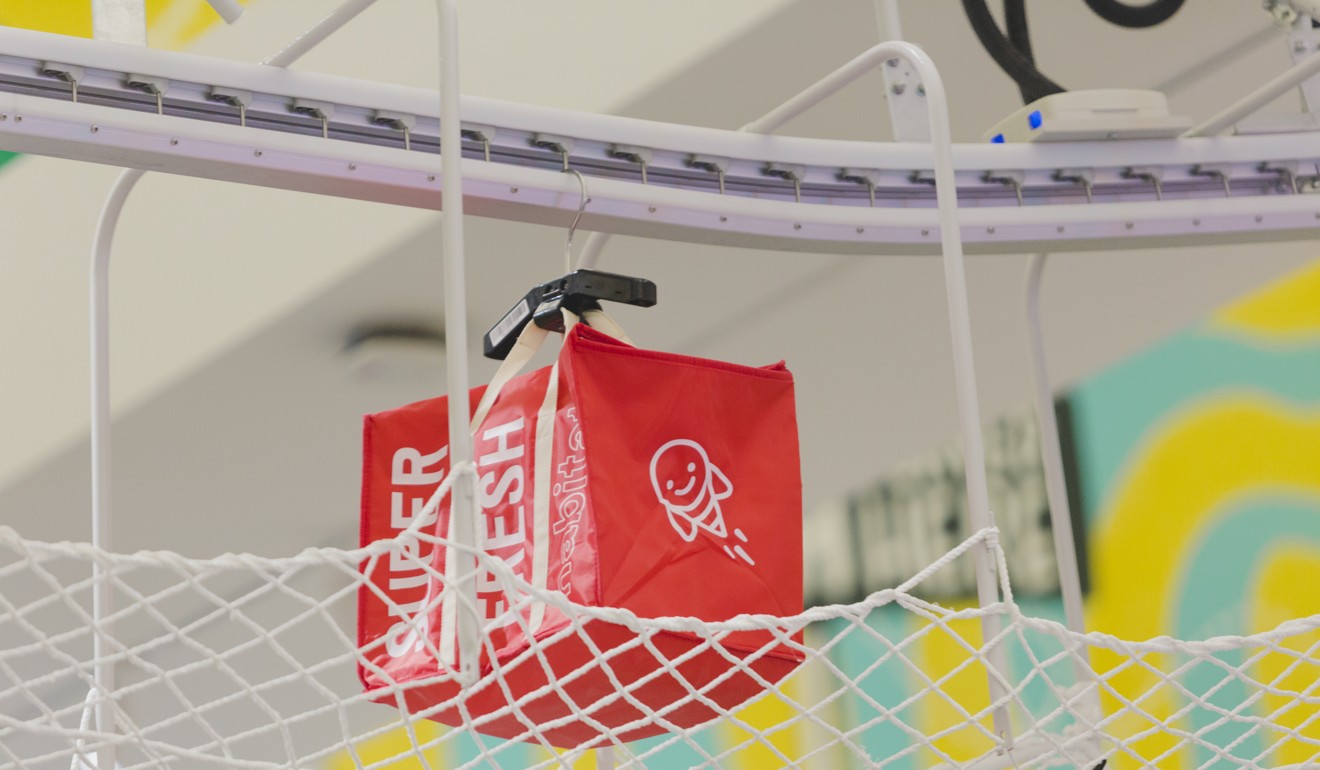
pixel 661 484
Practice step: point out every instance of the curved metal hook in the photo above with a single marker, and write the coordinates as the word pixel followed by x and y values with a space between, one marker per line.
pixel 568 243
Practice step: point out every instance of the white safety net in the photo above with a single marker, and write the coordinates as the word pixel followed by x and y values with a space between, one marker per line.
pixel 246 662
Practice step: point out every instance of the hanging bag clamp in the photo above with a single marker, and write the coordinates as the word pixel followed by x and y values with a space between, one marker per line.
pixel 579 291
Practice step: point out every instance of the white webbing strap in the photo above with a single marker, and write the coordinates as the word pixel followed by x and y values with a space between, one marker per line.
pixel 529 341
pixel 542 469
pixel 600 321
pixel 524 349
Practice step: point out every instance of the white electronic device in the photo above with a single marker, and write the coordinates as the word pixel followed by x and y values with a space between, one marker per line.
pixel 1111 113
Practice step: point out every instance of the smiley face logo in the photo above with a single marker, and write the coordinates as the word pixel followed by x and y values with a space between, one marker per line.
pixel 690 487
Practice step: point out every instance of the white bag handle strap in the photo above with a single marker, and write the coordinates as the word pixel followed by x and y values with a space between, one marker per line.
pixel 542 471
pixel 530 341
pixel 598 320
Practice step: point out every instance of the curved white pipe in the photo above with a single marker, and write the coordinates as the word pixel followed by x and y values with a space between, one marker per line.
pixel 1252 102
pixel 955 281
pixel 960 327
pixel 978 495
pixel 103 674
pixel 229 10
pixel 463 508
pixel 1056 487
pixel 103 603
pixel 317 33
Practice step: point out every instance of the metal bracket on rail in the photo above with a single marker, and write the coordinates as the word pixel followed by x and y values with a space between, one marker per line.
pixel 323 110
pixel 234 97
pixel 560 144
pixel 1218 171
pixel 1082 176
pixel 866 176
pixel 480 133
pixel 397 120
pixel 69 73
pixel 1304 40
pixel 639 155
pixel 791 172
pixel 152 85
pixel 922 176
pixel 715 165
pixel 1286 170
pixel 1152 174
pixel 906 95
pixel 1013 179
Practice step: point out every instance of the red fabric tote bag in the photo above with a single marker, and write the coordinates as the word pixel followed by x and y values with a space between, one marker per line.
pixel 660 484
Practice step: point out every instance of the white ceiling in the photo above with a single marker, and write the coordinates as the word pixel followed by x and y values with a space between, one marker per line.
pixel 237 414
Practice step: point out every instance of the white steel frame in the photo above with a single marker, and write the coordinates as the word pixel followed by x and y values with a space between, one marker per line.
pixel 510 172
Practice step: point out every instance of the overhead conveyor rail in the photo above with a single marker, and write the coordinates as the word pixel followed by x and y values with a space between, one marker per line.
pixel 374 141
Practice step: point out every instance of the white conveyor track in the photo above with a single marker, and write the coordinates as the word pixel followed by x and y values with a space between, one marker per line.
pixel 345 137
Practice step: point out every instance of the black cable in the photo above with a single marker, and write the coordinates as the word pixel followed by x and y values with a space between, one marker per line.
pixel 1015 18
pixel 1135 16
pixel 1032 83
pixel 1019 34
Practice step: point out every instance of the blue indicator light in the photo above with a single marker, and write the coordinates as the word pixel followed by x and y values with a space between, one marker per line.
pixel 997 139
pixel 1034 119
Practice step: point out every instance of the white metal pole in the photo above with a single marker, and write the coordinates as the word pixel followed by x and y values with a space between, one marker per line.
pixel 886 12
pixel 103 600
pixel 1056 487
pixel 964 366
pixel 1285 81
pixel 886 17
pixel 103 674
pixel 964 369
pixel 317 33
pixel 462 506
pixel 229 10
pixel 978 495
pixel 830 85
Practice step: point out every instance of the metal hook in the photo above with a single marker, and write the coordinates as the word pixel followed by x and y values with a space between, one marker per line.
pixel 1012 179
pixel 152 85
pixel 1152 174
pixel 868 177
pixel 568 243
pixel 719 166
pixel 1083 176
pixel 1216 171
pixel 323 110
pixel 71 74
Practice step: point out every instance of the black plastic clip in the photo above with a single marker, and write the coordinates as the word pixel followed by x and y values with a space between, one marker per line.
pixel 579 291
